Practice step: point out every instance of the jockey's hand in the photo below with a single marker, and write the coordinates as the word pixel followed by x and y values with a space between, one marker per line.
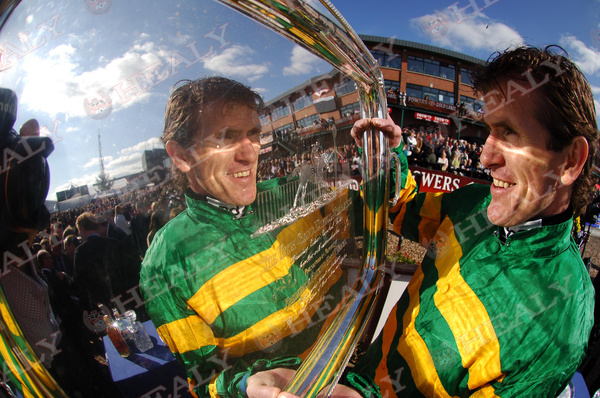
pixel 386 126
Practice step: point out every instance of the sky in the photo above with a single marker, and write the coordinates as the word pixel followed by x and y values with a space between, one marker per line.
pixel 90 68
pixel 480 27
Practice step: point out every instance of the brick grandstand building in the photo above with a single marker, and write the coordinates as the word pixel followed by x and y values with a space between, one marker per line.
pixel 426 87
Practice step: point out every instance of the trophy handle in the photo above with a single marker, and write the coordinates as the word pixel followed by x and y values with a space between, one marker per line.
pixel 398 185
pixel 317 26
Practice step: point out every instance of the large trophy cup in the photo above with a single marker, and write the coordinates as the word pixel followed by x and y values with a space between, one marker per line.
pixel 319 27
pixel 93 78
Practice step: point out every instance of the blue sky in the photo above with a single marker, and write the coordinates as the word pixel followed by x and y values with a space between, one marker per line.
pixel 481 27
pixel 62 57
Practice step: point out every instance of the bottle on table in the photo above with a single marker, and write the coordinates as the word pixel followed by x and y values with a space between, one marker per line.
pixel 115 336
pixel 137 332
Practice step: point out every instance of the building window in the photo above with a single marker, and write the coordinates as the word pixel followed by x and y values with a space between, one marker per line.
pixel 413 90
pixel 465 77
pixel 447 71
pixel 280 112
pixel 264 120
pixel 431 67
pixel 472 104
pixel 432 94
pixel 415 64
pixel 379 57
pixel 387 58
pixel 344 87
pixel 309 121
pixel 283 132
pixel 302 102
pixel 350 109
pixel 391 84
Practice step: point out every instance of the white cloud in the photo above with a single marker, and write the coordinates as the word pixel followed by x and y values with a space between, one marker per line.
pixel 153 142
pixel 128 161
pixel 56 83
pixel 301 62
pixel 586 58
pixel 87 179
pixel 477 32
pixel 182 39
pixel 95 162
pixel 124 165
pixel 236 61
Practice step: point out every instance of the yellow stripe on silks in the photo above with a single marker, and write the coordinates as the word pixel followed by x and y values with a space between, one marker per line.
pixel 406 193
pixel 193 333
pixel 17 370
pixel 212 387
pixel 187 334
pixel 15 367
pixel 486 391
pixel 285 322
pixel 247 276
pixel 382 373
pixel 377 223
pixel 465 314
pixel 414 350
pixel 430 217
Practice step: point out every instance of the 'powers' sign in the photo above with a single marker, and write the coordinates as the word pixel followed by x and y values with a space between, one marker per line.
pixel 439 181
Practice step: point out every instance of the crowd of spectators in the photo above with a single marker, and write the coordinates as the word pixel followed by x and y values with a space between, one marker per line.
pixel 425 146
pixel 346 156
pixel 430 148
pixel 90 255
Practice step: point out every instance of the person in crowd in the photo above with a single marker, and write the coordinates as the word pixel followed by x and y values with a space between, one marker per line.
pixel 45 263
pixel 69 230
pixel 411 143
pixel 502 305
pixel 430 155
pixel 70 244
pixel 214 293
pixel 455 162
pixel 140 227
pixel 98 270
pixel 60 285
pixel 57 234
pixel 107 228
pixel 442 161
pixel 46 244
pixel 120 220
pixel 158 219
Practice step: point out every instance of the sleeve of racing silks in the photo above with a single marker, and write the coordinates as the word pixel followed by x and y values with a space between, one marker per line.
pixel 188 336
pixel 408 193
pixel 193 344
pixel 416 216
pixel 212 371
pixel 236 383
pixel 362 383
pixel 408 185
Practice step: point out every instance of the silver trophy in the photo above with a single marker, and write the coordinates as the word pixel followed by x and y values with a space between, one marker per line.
pixel 96 76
